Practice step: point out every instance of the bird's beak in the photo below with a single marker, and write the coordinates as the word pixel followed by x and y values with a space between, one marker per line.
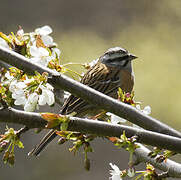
pixel 132 56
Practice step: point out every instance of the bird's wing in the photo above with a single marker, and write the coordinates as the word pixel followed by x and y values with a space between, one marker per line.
pixel 99 78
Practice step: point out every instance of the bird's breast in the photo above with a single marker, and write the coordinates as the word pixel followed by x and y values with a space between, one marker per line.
pixel 126 81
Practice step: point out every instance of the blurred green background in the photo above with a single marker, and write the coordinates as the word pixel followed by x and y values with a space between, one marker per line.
pixel 84 30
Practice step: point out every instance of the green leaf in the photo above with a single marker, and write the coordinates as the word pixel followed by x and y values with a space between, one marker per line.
pixel 11 159
pixel 64 126
pixel 20 144
pixel 6 156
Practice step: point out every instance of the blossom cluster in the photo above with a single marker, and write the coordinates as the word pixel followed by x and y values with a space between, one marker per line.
pixel 8 141
pixel 148 173
pixel 128 98
pixel 27 91
pixel 39 48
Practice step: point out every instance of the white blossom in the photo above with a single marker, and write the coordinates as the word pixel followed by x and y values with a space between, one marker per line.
pixel 31 103
pixel 56 52
pixel 40 55
pixel 38 51
pixel 131 172
pixel 20 32
pixel 116 119
pixel 47 95
pixel 44 31
pixel 32 39
pixel 8 76
pixel 27 80
pixel 21 90
pixel 17 89
pixel 115 172
pixel 66 94
pixel 19 96
pixel 146 110
pixel 49 86
pixel 3 43
pixel 47 40
pixel 15 86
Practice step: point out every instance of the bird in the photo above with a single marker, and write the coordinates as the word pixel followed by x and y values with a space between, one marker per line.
pixel 110 71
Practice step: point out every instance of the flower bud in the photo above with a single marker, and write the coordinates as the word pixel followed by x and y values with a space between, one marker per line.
pixel 61 140
pixel 87 164
pixel 3 145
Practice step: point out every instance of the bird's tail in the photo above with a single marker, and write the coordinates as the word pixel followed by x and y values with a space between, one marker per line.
pixel 43 143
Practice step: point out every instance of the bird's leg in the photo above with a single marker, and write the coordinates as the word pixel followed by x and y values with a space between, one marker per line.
pixel 101 115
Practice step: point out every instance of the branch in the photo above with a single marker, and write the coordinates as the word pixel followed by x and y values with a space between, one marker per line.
pixel 29 119
pixel 5 65
pixel 99 128
pixel 59 96
pixel 172 168
pixel 90 95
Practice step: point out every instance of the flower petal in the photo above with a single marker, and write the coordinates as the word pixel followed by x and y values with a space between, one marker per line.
pixel 31 103
pixel 21 85
pixel 47 40
pixel 49 86
pixel 116 173
pixel 34 51
pixel 20 32
pixel 147 110
pixel 43 51
pixel 42 100
pixel 3 43
pixel 116 119
pixel 116 177
pixel 131 172
pixel 56 52
pixel 51 98
pixel 115 170
pixel 45 30
pixel 8 76
pixel 20 101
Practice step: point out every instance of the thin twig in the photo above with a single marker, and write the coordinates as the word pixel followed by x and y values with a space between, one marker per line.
pixel 22 130
pixel 4 105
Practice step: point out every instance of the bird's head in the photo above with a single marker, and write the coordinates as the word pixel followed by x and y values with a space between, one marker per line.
pixel 117 57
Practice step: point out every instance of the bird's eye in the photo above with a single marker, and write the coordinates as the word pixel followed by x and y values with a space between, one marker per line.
pixel 116 61
pixel 119 62
pixel 109 60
